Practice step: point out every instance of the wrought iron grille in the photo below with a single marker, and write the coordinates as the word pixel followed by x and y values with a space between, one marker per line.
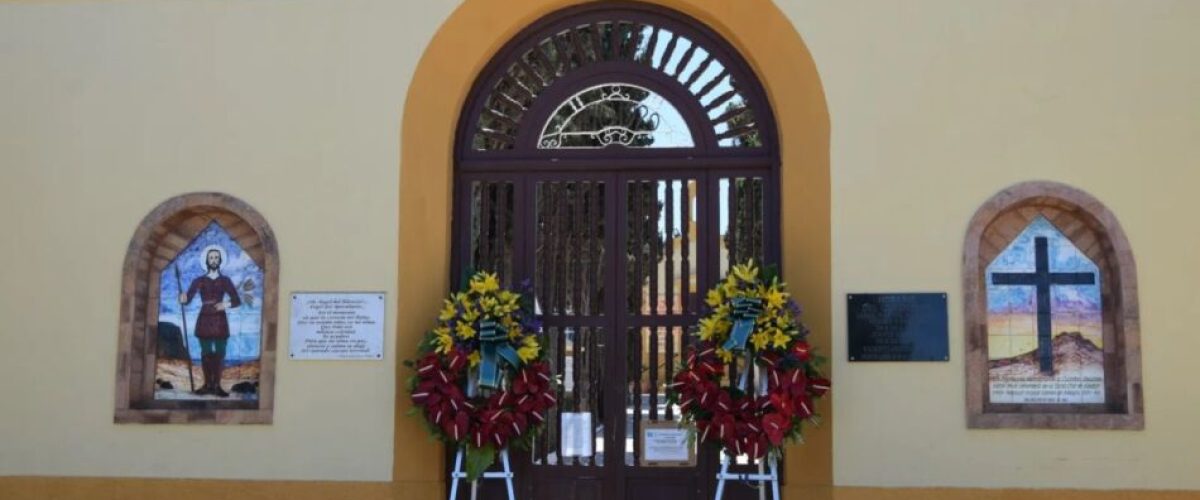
pixel 616 158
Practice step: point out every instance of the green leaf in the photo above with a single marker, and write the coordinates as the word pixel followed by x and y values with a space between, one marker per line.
pixel 768 273
pixel 478 460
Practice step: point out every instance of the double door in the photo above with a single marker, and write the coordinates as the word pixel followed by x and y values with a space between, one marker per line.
pixel 618 263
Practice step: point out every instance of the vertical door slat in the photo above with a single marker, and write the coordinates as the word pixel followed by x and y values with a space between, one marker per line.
pixel 500 247
pixel 578 226
pixel 485 225
pixel 685 248
pixel 669 237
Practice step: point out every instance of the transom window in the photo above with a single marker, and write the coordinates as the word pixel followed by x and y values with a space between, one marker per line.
pixel 567 86
pixel 616 114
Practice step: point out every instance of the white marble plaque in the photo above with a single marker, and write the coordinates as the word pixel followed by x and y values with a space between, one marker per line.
pixel 337 325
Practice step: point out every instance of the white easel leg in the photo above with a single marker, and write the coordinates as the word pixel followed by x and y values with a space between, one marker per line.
pixel 774 479
pixel 721 478
pixel 762 483
pixel 508 478
pixel 454 475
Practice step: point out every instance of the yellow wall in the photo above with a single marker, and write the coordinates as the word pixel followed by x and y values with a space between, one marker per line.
pixel 296 105
pixel 110 108
pixel 938 104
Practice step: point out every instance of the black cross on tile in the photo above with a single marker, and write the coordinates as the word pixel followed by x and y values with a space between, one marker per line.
pixel 1043 279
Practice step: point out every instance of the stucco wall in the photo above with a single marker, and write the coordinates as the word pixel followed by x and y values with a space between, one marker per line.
pixel 109 108
pixel 294 106
pixel 935 106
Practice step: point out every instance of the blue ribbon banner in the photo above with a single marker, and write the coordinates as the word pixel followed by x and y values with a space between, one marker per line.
pixel 494 344
pixel 745 313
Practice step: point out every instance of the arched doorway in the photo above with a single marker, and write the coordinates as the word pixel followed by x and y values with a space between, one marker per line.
pixel 616 158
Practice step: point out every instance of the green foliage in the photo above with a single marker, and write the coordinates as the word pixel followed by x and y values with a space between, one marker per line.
pixel 478 460
pixel 769 273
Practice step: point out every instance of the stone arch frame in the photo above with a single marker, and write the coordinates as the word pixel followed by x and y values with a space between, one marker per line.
pixel 1094 229
pixel 161 235
pixel 458 52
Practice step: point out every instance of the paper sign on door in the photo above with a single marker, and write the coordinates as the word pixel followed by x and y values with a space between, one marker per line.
pixel 576 434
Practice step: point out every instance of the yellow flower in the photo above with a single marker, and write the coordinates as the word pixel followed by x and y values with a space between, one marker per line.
pixel 488 305
pixel 443 341
pixel 448 311
pixel 760 340
pixel 775 298
pixel 746 272
pixel 529 349
pixel 514 328
pixel 465 330
pixel 485 282
pixel 713 326
pixel 781 340
pixel 473 358
pixel 726 356
pixel 714 298
pixel 510 300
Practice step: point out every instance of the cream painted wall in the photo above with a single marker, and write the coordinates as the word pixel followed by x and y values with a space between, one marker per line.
pixel 938 104
pixel 107 109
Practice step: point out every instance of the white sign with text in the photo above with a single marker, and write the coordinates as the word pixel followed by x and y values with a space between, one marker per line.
pixel 333 325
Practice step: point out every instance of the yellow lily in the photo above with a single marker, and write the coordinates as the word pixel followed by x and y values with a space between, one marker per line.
pixel 448 311
pixel 488 305
pixel 774 298
pixel 714 298
pixel 465 330
pixel 746 272
pixel 529 349
pixel 780 340
pixel 760 340
pixel 485 282
pixel 713 326
pixel 443 341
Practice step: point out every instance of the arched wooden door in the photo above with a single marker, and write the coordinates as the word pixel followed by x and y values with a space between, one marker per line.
pixel 615 158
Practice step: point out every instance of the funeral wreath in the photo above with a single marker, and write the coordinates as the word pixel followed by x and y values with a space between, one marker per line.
pixel 752 317
pixel 479 379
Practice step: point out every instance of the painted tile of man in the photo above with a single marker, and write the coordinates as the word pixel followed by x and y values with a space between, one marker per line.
pixel 212 326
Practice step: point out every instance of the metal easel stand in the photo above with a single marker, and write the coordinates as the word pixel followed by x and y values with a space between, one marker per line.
pixel 761 476
pixel 458 474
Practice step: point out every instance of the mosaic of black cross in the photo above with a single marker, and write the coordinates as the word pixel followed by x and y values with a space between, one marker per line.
pixel 1043 279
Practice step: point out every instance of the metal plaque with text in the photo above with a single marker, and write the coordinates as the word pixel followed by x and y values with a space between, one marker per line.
pixel 897 327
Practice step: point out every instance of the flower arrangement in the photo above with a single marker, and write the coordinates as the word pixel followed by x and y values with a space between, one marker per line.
pixel 750 313
pixel 488 332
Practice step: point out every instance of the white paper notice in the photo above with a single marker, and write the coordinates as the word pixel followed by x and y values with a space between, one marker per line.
pixel 666 445
pixel 337 325
pixel 576 434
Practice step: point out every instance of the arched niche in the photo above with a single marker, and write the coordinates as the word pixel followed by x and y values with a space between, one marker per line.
pixel 167 240
pixel 1058 383
pixel 469 39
